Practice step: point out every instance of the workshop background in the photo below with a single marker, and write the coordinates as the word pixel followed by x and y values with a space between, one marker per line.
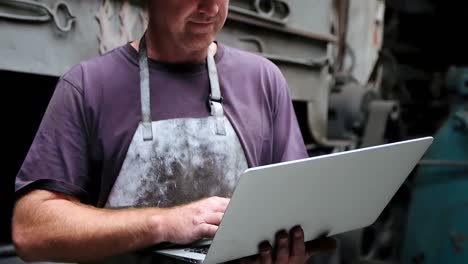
pixel 361 73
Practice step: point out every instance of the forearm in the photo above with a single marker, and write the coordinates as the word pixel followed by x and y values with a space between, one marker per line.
pixel 67 231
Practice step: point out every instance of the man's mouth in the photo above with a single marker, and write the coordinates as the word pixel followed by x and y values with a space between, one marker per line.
pixel 202 26
pixel 203 22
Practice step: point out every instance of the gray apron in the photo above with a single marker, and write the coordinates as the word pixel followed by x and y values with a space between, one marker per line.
pixel 176 161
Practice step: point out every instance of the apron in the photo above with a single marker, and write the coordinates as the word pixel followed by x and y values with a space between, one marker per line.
pixel 176 161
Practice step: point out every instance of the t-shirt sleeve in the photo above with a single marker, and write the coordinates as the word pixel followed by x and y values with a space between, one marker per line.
pixel 58 159
pixel 288 142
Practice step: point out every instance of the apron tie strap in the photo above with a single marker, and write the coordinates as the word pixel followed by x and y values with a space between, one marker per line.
pixel 218 112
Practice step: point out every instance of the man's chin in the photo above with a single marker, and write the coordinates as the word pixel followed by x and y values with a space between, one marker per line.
pixel 198 43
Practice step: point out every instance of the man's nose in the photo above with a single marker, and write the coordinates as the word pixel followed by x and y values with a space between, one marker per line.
pixel 210 8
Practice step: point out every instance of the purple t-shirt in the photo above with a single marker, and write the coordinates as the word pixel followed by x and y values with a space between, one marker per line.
pixel 93 114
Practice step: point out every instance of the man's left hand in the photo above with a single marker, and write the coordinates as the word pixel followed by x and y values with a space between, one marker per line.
pixel 290 249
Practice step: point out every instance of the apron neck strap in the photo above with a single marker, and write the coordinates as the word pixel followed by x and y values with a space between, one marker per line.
pixel 145 91
pixel 215 100
pixel 215 95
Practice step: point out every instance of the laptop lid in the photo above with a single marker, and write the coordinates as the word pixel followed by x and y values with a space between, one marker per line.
pixel 332 193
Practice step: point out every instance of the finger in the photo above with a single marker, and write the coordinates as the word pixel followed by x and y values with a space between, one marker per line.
pixel 248 260
pixel 224 201
pixel 298 245
pixel 265 253
pixel 207 230
pixel 243 261
pixel 213 218
pixel 221 204
pixel 320 245
pixel 282 247
pixel 218 204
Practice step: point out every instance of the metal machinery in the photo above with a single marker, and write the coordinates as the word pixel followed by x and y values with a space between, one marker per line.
pixel 330 52
pixel 438 216
pixel 300 36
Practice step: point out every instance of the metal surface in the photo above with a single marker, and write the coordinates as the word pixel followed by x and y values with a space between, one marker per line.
pixel 379 113
pixel 103 25
pixel 39 13
pixel 269 14
pixel 53 52
pixel 364 37
pixel 302 55
pixel 457 80
pixel 287 30
pixel 346 113
pixel 119 22
pixel 99 27
pixel 300 48
pixel 449 163
pixel 298 15
pixel 461 119
pixel 312 63
pixel 342 10
pixel 437 224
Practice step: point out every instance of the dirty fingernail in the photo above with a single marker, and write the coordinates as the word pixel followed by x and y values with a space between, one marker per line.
pixel 265 246
pixel 283 235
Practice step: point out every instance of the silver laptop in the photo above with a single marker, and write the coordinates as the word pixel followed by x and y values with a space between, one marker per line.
pixel 332 193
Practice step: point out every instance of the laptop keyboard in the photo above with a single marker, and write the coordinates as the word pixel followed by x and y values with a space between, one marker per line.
pixel 202 250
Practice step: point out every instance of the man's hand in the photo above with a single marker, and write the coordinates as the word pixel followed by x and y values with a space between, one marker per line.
pixel 290 249
pixel 188 223
pixel 49 226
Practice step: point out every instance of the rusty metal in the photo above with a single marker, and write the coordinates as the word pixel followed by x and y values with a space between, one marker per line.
pixel 128 18
pixel 364 39
pixel 40 13
pixel 342 7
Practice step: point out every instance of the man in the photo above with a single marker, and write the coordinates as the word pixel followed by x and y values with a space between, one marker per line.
pixel 160 139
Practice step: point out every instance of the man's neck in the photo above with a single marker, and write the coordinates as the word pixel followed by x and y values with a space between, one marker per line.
pixel 171 53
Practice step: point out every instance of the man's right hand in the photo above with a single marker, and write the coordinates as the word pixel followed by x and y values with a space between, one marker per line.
pixel 188 223
pixel 50 226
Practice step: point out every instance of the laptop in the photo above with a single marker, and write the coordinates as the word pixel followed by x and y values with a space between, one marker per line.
pixel 332 193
